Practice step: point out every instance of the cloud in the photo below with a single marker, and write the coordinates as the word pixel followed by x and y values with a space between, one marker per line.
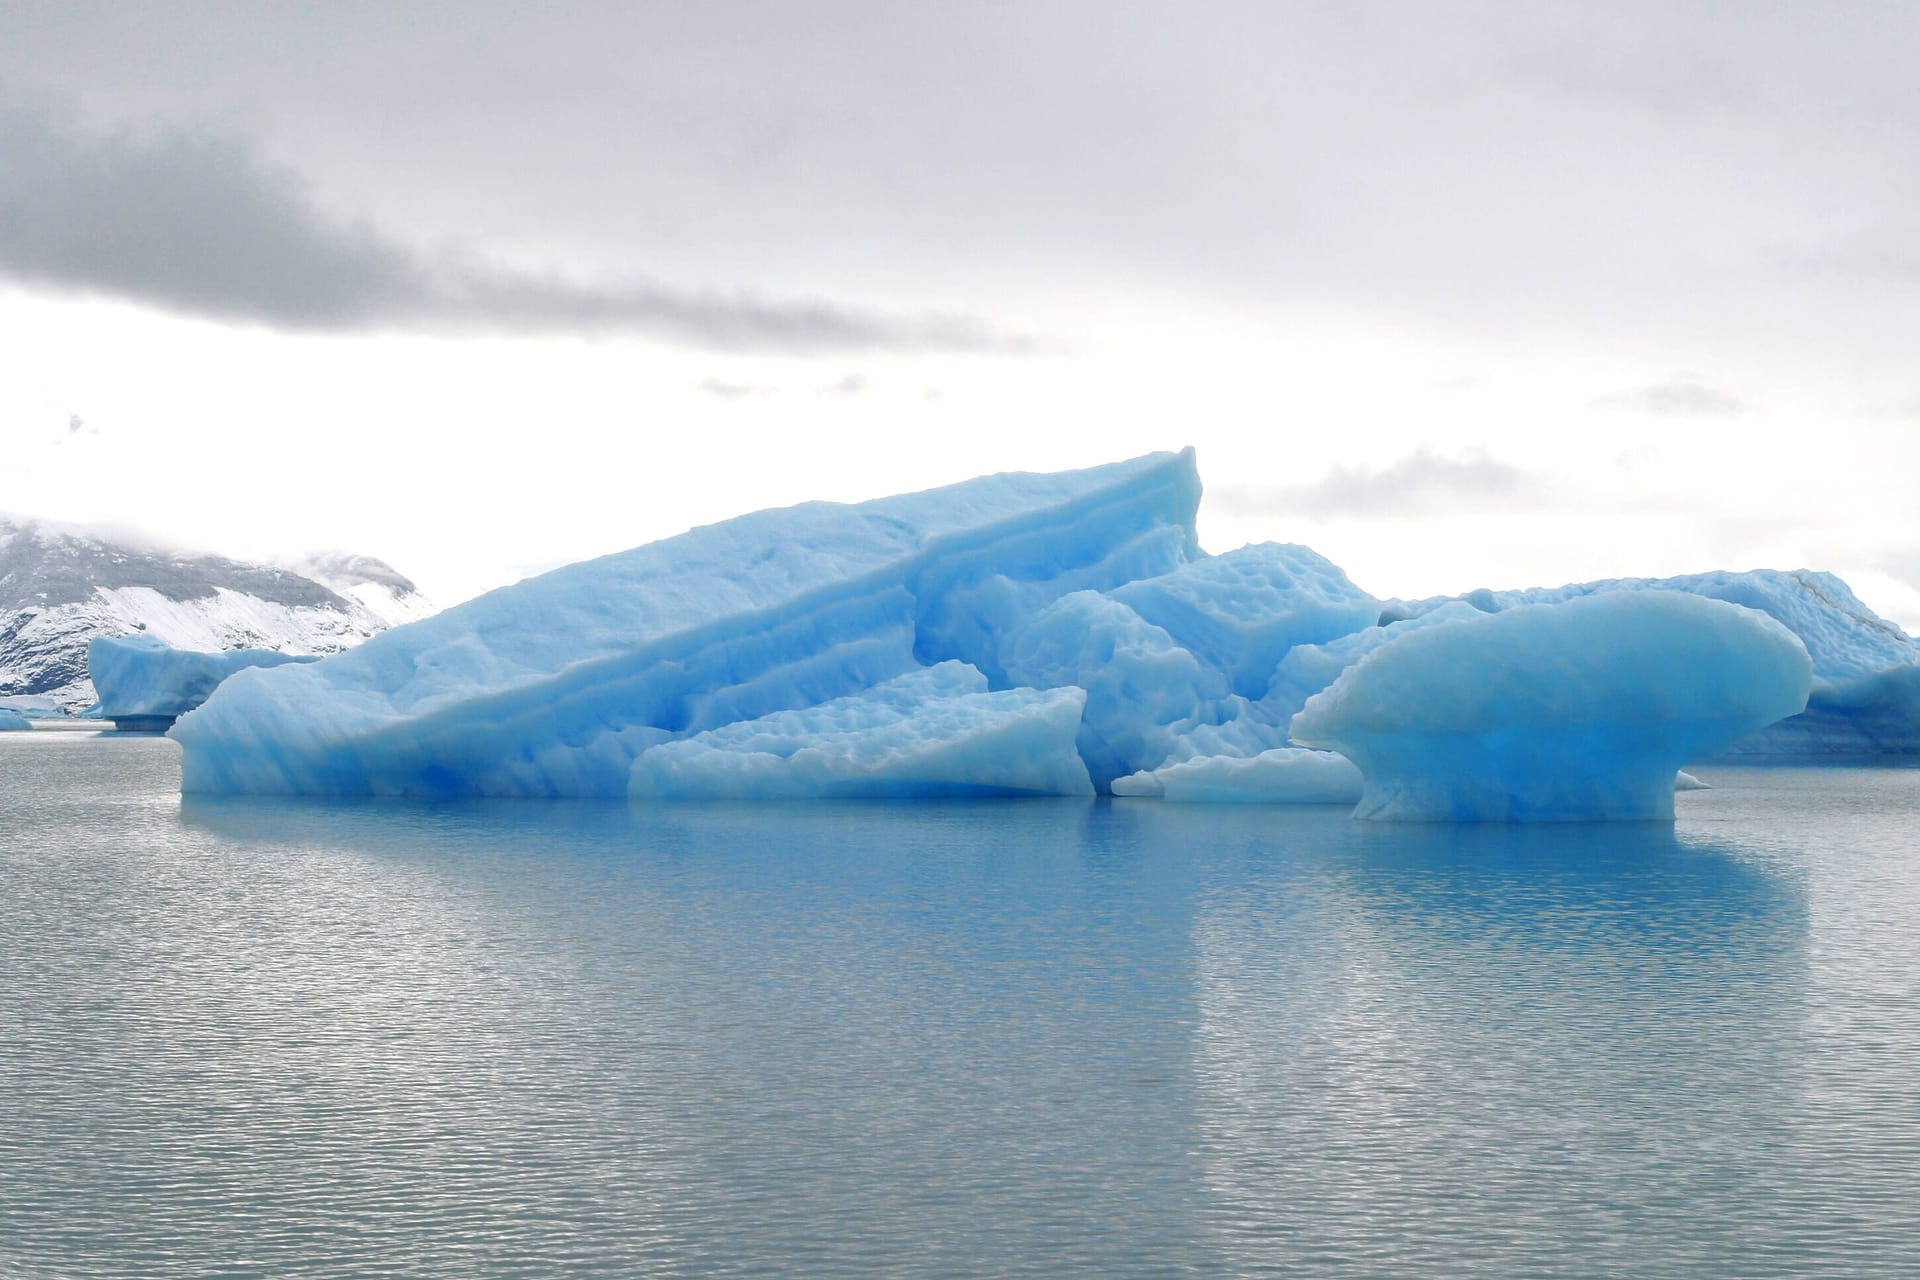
pixel 195 220
pixel 721 389
pixel 1685 395
pixel 1666 77
pixel 1881 252
pixel 846 388
pixel 1423 483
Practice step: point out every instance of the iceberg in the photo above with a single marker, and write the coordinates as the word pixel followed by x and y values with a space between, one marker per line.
pixel 1167 660
pixel 1583 710
pixel 1240 612
pixel 34 706
pixel 1309 668
pixel 1139 683
pixel 145 683
pixel 1866 671
pixel 557 685
pixel 1054 634
pixel 1284 775
pixel 11 719
pixel 933 732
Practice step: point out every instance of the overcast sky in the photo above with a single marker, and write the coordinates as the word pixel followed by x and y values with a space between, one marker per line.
pixel 1460 294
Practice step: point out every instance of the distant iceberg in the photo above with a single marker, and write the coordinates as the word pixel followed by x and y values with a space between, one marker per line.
pixel 11 719
pixel 145 683
pixel 34 706
pixel 1556 712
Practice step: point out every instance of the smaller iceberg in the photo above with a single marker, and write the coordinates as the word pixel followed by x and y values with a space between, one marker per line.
pixel 1578 711
pixel 1284 775
pixel 11 719
pixel 1866 671
pixel 145 684
pixel 932 732
pixel 34 706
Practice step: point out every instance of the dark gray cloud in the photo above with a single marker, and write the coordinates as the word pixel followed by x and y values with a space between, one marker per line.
pixel 196 220
pixel 1423 483
pixel 1475 165
pixel 1684 395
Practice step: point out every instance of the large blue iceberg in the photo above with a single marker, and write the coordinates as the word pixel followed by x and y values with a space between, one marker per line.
pixel 556 685
pixel 1580 710
pixel 145 683
pixel 1052 634
pixel 11 719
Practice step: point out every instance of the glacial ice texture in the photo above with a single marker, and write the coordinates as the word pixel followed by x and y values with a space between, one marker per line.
pixel 934 732
pixel 11 719
pixel 1284 775
pixel 556 685
pixel 1865 698
pixel 1567 712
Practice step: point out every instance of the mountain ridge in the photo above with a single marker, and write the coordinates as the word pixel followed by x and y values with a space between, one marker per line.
pixel 61 587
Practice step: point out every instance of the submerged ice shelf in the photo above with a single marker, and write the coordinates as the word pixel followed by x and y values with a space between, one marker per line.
pixel 1055 634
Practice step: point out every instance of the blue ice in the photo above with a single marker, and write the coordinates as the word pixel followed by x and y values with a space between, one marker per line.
pixel 556 685
pixel 1583 710
pixel 11 719
pixel 1866 671
pixel 1283 775
pixel 140 677
pixel 1050 634
pixel 938 731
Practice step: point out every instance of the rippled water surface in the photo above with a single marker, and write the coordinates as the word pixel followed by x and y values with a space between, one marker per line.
pixel 1046 1038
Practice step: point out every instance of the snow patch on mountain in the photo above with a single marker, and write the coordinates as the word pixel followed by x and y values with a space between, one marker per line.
pixel 61 588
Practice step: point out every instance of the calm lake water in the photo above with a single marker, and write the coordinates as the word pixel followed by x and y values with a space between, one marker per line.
pixel 954 1039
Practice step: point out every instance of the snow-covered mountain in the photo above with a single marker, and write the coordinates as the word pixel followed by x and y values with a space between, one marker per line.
pixel 59 588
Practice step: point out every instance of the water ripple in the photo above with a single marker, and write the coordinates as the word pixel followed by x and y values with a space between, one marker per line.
pixel 251 1039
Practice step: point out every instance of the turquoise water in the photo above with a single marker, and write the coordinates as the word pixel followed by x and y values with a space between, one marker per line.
pixel 1043 1038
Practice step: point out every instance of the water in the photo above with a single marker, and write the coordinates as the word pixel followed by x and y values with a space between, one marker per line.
pixel 1050 1039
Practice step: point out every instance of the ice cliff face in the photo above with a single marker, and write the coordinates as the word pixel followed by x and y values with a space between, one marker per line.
pixel 556 685
pixel 61 589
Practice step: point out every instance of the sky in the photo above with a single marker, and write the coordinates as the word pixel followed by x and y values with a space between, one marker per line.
pixel 1459 294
